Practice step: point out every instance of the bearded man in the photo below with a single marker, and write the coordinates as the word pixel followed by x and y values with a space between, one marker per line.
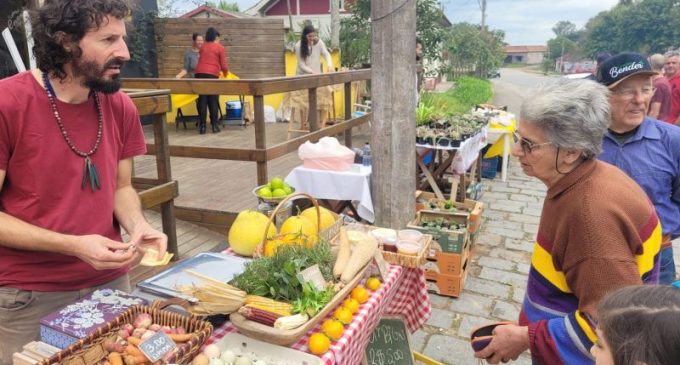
pixel 67 139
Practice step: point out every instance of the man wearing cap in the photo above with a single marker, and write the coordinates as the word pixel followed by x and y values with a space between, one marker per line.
pixel 646 149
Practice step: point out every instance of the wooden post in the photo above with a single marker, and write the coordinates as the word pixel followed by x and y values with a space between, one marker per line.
pixel 348 113
pixel 393 92
pixel 160 135
pixel 260 137
pixel 312 113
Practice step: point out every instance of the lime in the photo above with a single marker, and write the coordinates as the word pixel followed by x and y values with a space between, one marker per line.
pixel 277 193
pixel 264 192
pixel 276 183
pixel 287 189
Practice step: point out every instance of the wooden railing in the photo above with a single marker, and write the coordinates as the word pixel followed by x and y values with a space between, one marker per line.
pixel 261 154
pixel 159 192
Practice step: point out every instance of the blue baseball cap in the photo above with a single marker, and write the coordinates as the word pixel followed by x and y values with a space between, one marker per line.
pixel 617 68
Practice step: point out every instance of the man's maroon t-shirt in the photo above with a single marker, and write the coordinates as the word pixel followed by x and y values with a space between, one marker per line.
pixel 43 179
pixel 675 98
pixel 662 95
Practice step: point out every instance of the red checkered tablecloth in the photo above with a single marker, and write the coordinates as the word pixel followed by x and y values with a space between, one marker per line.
pixel 403 293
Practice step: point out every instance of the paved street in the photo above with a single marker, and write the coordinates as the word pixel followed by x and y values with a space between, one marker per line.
pixel 496 281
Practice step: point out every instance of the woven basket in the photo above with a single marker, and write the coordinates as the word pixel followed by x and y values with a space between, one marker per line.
pixel 411 261
pixel 89 350
pixel 327 234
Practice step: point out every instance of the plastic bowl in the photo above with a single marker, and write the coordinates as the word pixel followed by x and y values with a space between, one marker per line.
pixel 408 248
pixel 410 235
pixel 270 200
pixel 382 234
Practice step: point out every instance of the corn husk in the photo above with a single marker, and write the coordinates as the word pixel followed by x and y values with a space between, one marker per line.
pixel 214 296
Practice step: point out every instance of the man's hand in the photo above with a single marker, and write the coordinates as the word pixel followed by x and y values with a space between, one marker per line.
pixel 508 342
pixel 145 237
pixel 103 253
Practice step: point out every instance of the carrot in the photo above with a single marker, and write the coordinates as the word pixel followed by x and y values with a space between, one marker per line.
pixel 134 340
pixel 131 349
pixel 184 337
pixel 135 359
pixel 115 358
pixel 363 250
pixel 343 253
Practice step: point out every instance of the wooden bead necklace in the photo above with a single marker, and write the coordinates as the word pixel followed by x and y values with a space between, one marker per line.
pixel 89 170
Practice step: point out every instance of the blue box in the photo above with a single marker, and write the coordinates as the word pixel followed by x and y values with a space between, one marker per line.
pixel 234 109
pixel 490 167
pixel 76 321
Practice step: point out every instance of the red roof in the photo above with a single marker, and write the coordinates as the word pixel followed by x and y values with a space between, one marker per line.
pixel 525 49
pixel 216 12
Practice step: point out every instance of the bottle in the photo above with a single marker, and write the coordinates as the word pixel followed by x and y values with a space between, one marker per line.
pixel 366 160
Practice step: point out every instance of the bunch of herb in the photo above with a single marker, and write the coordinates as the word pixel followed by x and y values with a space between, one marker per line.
pixel 313 299
pixel 276 276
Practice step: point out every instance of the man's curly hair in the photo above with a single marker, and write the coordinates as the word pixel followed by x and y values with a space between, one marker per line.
pixel 58 21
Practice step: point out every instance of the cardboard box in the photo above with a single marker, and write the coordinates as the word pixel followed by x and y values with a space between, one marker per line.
pixel 450 240
pixel 75 321
pixel 447 285
pixel 445 263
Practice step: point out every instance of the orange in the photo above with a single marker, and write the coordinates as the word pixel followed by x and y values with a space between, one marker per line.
pixel 360 294
pixel 343 315
pixel 373 283
pixel 351 304
pixel 332 329
pixel 318 343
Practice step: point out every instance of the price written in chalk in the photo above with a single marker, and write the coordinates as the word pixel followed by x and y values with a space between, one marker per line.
pixel 389 344
pixel 157 346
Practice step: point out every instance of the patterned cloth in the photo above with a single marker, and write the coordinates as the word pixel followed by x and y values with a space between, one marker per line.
pixel 403 293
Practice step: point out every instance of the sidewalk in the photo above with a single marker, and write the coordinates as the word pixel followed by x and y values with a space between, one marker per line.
pixel 496 280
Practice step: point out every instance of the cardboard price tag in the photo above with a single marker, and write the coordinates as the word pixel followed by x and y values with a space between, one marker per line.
pixel 157 346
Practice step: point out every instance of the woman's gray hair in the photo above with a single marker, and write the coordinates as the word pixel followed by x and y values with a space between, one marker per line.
pixel 573 114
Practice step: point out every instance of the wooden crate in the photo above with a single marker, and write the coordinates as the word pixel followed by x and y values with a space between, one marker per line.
pixel 448 240
pixel 472 208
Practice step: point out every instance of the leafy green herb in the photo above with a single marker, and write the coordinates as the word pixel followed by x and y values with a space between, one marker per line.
pixel 276 276
pixel 312 299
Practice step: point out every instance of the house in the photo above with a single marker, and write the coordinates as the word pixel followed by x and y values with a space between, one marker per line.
pixel 316 11
pixel 530 55
pixel 205 11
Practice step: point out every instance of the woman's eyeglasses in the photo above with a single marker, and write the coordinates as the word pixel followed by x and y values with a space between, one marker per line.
pixel 527 146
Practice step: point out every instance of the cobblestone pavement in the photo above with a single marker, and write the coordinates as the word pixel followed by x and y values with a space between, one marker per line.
pixel 496 281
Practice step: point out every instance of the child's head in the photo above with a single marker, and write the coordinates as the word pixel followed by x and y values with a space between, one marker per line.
pixel 639 325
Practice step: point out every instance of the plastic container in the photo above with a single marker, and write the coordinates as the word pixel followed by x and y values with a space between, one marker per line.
pixel 381 234
pixel 233 109
pixel 408 248
pixel 490 167
pixel 410 235
pixel 389 244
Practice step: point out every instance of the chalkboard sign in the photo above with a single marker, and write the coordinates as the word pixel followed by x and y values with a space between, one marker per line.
pixel 389 344
pixel 156 346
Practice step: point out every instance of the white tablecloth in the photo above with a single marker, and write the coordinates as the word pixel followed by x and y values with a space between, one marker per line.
pixel 466 153
pixel 353 184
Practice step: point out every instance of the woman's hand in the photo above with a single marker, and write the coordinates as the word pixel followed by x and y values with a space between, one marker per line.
pixel 509 341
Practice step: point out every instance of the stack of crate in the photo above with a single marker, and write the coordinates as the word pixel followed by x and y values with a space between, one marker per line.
pixel 447 264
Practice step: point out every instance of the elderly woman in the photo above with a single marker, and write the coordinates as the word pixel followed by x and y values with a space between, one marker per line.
pixel 598 230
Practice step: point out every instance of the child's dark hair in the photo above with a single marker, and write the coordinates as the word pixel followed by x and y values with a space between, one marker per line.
pixel 641 324
pixel 194 36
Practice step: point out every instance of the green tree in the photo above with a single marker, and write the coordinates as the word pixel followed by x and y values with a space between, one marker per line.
pixel 469 49
pixel 564 28
pixel 355 32
pixel 224 5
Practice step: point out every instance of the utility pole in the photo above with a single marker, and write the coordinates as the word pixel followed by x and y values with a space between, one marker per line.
pixel 335 25
pixel 483 7
pixel 393 128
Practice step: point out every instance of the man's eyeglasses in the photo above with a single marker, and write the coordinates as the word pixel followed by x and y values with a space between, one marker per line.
pixel 527 146
pixel 629 93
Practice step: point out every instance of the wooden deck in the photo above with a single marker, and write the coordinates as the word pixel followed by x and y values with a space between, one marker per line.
pixel 215 184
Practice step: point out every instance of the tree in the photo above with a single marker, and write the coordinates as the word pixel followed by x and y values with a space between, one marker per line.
pixel 355 32
pixel 564 28
pixel 335 24
pixel 224 5
pixel 468 49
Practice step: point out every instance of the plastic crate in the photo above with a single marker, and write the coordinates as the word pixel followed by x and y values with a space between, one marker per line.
pixel 490 167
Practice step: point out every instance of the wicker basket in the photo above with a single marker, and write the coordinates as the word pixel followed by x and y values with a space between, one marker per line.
pixel 411 261
pixel 89 350
pixel 327 234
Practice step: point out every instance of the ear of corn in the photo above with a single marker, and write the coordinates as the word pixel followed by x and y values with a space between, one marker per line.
pixel 270 305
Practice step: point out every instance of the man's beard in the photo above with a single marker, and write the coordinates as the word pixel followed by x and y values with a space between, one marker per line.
pixel 93 76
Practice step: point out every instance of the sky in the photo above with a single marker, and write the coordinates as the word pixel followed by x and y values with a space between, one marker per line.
pixel 525 22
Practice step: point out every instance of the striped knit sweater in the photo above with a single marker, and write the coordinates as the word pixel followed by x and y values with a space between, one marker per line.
pixel 598 232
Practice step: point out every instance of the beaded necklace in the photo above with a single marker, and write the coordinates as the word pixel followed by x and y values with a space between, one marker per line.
pixel 89 170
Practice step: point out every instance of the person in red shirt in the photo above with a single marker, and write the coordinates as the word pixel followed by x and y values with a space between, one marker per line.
pixel 212 60
pixel 660 105
pixel 67 139
pixel 671 69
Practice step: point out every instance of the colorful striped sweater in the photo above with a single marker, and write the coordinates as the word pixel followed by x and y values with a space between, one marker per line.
pixel 598 232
